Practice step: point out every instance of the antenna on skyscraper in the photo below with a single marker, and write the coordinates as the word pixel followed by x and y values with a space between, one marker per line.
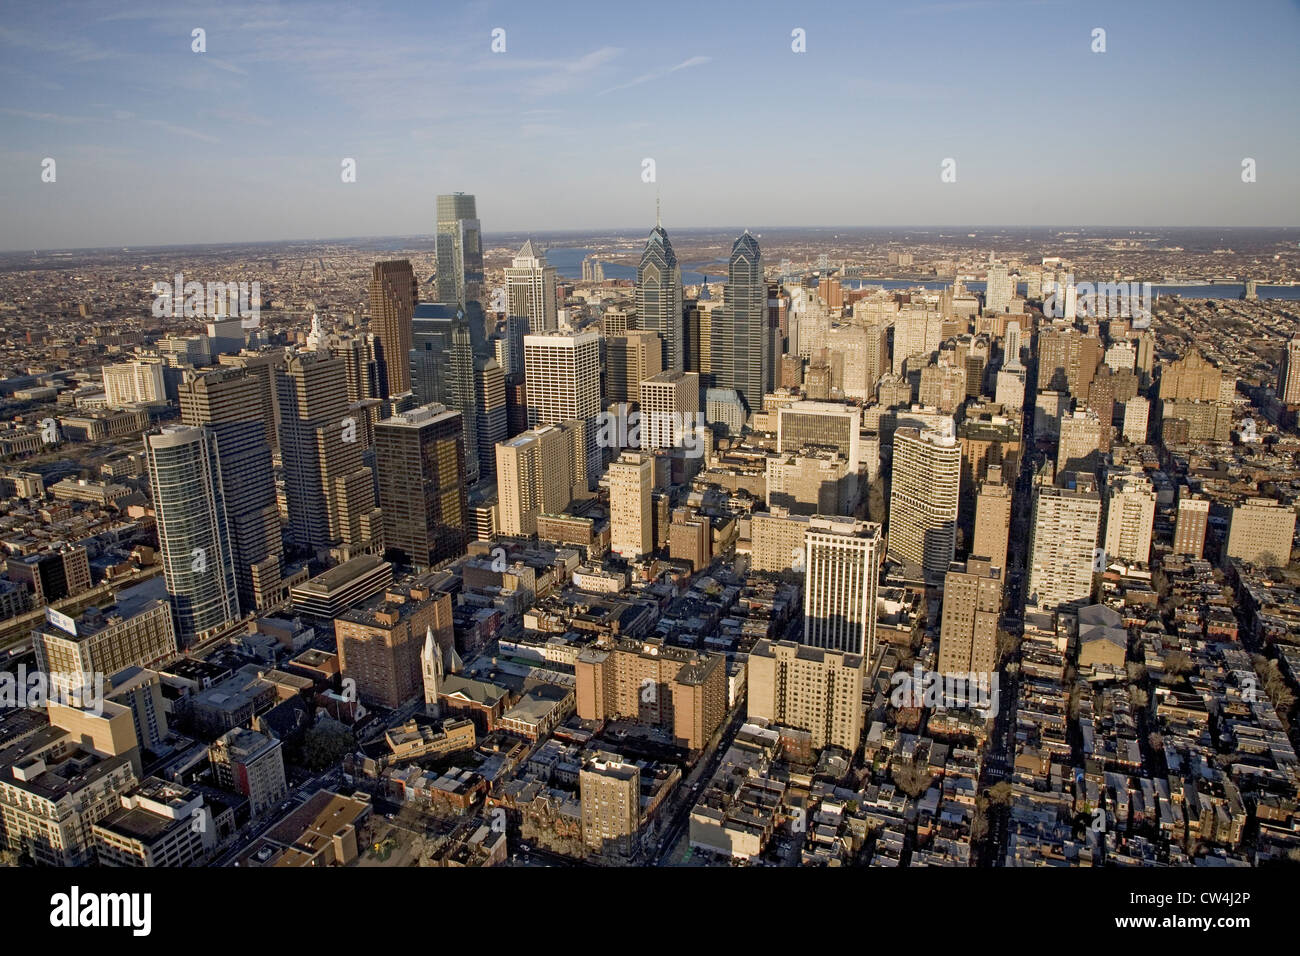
pixel 658 219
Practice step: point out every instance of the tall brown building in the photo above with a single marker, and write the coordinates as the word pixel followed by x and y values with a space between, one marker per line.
pixel 380 643
pixel 330 491
pixel 972 601
pixel 394 291
pixel 630 359
pixel 682 691
pixel 1193 519
pixel 1191 378
pixel 1067 361
pixel 420 460
pixel 992 523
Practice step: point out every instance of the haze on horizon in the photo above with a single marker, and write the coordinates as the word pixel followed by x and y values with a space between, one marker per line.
pixel 158 145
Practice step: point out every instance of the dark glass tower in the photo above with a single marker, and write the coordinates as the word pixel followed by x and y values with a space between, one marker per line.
pixel 442 370
pixel 659 298
pixel 739 339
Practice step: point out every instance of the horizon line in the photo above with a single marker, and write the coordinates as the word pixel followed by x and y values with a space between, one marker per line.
pixel 756 230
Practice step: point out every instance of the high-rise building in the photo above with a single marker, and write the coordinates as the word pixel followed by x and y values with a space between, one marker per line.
pixel 924 499
pixel 631 479
pixel 741 333
pixel 659 298
pixel 1136 412
pixel 609 793
pixel 1130 516
pixel 1064 528
pixel 992 523
pixel 630 359
pixel 1288 373
pixel 510 350
pixel 808 688
pixel 998 288
pixel 670 409
pixel 680 690
pixel 562 372
pixel 394 292
pixel 1261 532
pixel 537 474
pixel 972 604
pixel 1082 434
pixel 1011 345
pixel 777 540
pixel 493 412
pixel 137 631
pixel 841 573
pixel 530 289
pixel 358 354
pixel 821 425
pixel 459 252
pixel 261 366
pixel 329 490
pixel 442 371
pixel 132 383
pixel 380 643
pixel 245 761
pixel 1191 378
pixel 189 501
pixel 227 401
pixel 1192 523
pixel 420 459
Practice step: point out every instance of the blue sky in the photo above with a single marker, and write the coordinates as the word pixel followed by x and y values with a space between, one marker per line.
pixel 156 144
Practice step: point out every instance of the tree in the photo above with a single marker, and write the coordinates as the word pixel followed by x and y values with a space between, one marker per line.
pixel 1001 793
pixel 912 777
pixel 327 743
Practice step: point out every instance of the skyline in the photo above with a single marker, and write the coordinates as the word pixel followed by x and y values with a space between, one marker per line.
pixel 246 139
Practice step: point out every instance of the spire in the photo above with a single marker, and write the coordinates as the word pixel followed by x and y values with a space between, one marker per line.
pixel 659 222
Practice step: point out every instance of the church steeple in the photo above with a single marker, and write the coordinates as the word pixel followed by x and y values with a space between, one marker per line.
pixel 431 667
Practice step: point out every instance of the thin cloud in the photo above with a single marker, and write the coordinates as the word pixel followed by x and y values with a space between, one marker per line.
pixel 659 74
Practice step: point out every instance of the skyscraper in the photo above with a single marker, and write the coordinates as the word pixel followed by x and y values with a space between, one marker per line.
pixel 535 475
pixel 530 289
pixel 1062 543
pixel 630 523
pixel 739 350
pixel 227 400
pixel 924 499
pixel 394 293
pixel 630 359
pixel 659 297
pixel 193 533
pixel 841 572
pixel 998 288
pixel 493 415
pixel 562 371
pixel 1288 373
pixel 819 691
pixel 1130 515
pixel 670 410
pixel 1193 520
pixel 442 370
pixel 968 633
pixel 459 251
pixel 420 458
pixel 330 492
pixel 992 523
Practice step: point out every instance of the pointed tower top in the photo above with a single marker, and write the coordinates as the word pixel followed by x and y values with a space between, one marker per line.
pixel 658 218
